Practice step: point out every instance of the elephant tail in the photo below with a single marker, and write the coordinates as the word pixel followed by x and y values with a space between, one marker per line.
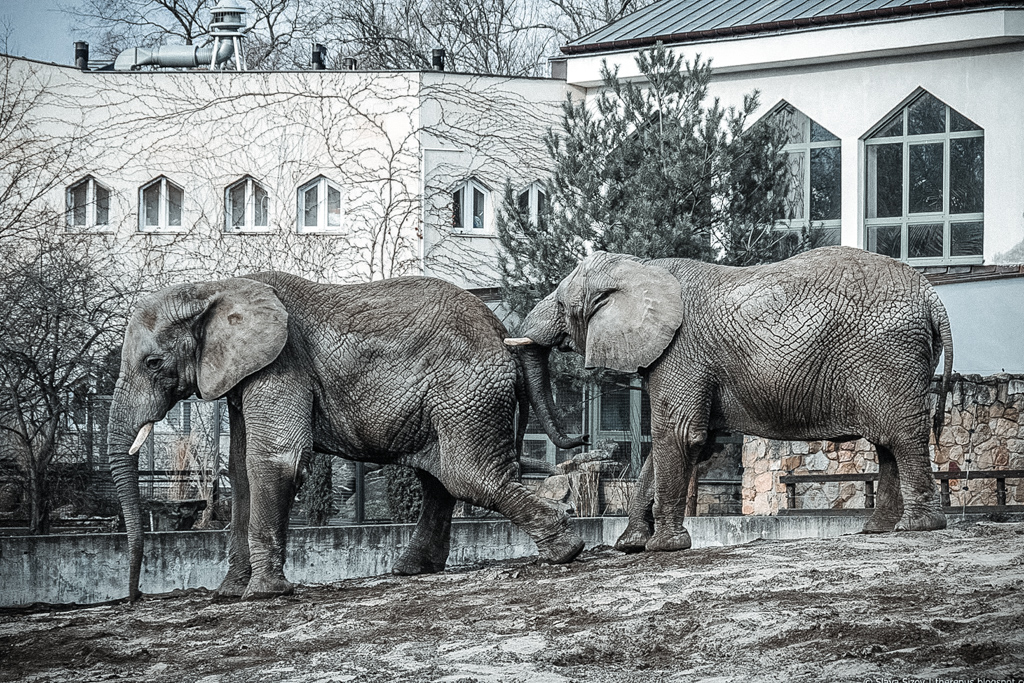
pixel 942 344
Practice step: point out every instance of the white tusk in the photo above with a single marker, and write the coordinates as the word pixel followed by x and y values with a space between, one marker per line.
pixel 518 341
pixel 141 438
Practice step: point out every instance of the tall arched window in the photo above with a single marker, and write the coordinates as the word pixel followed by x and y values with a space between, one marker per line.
pixel 246 206
pixel 88 205
pixel 926 184
pixel 160 205
pixel 815 182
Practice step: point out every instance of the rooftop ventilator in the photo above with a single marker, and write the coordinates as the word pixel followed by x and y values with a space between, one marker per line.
pixel 226 30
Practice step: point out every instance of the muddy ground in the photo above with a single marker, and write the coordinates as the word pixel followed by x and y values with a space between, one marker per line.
pixel 946 604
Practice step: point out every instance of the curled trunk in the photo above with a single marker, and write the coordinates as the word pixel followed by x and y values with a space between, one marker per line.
pixel 538 385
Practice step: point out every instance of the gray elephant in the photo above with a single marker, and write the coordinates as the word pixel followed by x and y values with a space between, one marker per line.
pixel 410 371
pixel 832 344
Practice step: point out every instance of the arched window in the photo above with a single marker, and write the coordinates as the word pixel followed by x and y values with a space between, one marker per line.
pixel 815 184
pixel 88 204
pixel 160 205
pixel 246 206
pixel 471 207
pixel 533 202
pixel 925 186
pixel 319 206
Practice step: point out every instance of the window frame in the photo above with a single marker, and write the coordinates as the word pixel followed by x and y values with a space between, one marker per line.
pixel 907 219
pixel 163 207
pixel 467 187
pixel 249 225
pixel 324 185
pixel 92 224
pixel 533 191
pixel 805 148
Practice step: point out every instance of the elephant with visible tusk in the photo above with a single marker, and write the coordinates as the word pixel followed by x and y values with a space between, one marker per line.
pixel 832 344
pixel 409 371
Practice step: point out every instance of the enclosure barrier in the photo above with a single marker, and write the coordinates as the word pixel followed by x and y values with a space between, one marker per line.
pixel 869 479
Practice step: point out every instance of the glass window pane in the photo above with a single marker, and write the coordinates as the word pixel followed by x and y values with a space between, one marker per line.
pixel 102 204
pixel 892 128
pixel 614 410
pixel 885 180
pixel 261 205
pixel 79 202
pixel 966 175
pixel 825 237
pixel 820 134
pixel 795 198
pixel 885 240
pixel 966 239
pixel 457 209
pixel 924 241
pixel 310 200
pixel 236 205
pixel 478 209
pixel 175 198
pixel 826 183
pixel 151 205
pixel 793 123
pixel 333 206
pixel 542 203
pixel 926 177
pixel 959 123
pixel 926 115
pixel 524 202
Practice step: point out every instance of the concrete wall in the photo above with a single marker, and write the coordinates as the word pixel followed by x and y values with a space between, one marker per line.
pixel 93 568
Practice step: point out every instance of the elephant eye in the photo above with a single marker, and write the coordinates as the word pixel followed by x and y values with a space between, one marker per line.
pixel 154 362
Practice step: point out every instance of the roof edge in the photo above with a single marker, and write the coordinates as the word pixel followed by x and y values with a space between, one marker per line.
pixel 937 7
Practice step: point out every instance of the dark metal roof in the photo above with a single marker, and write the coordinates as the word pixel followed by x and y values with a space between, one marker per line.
pixel 680 21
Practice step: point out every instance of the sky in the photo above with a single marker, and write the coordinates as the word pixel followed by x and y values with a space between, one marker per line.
pixel 38 30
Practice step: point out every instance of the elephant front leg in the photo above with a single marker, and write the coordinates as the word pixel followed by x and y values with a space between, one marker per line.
pixel 674 452
pixel 428 551
pixel 239 566
pixel 641 522
pixel 278 441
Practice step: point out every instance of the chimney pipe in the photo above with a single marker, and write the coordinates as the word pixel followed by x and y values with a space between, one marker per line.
pixel 348 63
pixel 319 57
pixel 82 55
pixel 437 58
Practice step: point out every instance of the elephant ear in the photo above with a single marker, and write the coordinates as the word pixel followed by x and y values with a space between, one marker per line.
pixel 244 328
pixel 636 309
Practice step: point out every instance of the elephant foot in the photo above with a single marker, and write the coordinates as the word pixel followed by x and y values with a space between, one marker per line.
pixel 411 564
pixel 268 587
pixel 922 520
pixel 666 541
pixel 880 523
pixel 231 588
pixel 561 550
pixel 634 539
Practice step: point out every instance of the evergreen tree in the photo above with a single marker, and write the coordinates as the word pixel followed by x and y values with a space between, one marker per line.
pixel 652 170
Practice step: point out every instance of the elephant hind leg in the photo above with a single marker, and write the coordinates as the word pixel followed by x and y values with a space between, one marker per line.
pixel 888 499
pixel 428 550
pixel 921 508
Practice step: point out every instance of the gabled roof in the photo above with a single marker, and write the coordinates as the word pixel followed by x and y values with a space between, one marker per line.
pixel 681 21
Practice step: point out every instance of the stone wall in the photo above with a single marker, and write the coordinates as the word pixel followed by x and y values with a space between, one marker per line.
pixel 983 423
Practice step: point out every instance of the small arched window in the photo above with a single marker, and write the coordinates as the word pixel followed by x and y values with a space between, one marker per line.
pixel 533 202
pixel 246 206
pixel 471 207
pixel 88 205
pixel 160 205
pixel 320 207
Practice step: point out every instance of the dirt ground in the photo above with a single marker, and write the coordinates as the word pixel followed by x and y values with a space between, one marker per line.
pixel 946 605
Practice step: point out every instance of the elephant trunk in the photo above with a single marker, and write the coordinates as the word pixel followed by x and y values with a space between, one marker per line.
pixel 124 468
pixel 538 386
